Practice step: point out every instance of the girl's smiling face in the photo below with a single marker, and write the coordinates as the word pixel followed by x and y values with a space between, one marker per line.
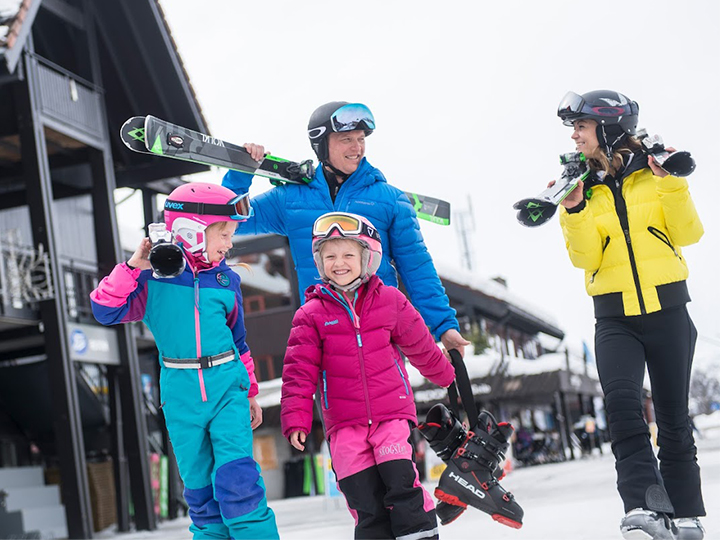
pixel 341 260
pixel 219 240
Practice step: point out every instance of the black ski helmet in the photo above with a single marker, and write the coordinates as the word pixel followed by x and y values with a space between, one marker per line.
pixel 616 115
pixel 337 116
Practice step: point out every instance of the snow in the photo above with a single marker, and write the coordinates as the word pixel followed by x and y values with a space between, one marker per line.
pixel 8 10
pixel 481 365
pixel 478 366
pixel 494 290
pixel 573 500
pixel 258 278
pixel 269 393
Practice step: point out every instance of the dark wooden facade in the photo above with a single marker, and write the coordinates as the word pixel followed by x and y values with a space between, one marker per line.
pixel 71 72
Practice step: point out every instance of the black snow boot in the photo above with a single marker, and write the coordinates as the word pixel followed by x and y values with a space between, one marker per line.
pixel 472 472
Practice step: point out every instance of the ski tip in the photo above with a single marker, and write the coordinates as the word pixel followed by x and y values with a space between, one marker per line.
pixel 132 134
pixel 534 212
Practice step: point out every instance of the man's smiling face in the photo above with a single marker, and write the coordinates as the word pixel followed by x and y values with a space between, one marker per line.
pixel 346 150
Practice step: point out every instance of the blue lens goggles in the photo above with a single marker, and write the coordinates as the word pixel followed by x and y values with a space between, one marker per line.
pixel 352 116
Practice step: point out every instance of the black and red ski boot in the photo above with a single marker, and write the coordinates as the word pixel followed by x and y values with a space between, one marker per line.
pixel 473 470
pixel 447 513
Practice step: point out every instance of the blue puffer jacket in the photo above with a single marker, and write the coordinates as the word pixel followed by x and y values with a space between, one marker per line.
pixel 291 210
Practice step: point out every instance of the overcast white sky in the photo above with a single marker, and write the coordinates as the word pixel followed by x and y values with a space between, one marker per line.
pixel 464 96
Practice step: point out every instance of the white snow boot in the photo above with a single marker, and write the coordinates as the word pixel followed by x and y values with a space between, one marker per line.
pixel 641 524
pixel 689 529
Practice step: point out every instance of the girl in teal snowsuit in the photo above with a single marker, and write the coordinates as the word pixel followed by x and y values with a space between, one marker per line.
pixel 207 381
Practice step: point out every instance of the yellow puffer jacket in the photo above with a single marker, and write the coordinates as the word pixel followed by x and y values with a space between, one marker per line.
pixel 629 245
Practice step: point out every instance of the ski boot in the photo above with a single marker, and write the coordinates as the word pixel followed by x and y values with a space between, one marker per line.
pixel 689 529
pixel 641 524
pixel 472 472
pixel 444 433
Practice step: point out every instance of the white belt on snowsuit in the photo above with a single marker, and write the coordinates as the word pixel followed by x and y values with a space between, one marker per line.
pixel 199 363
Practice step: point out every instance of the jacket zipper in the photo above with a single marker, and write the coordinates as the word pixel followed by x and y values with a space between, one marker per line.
pixel 198 344
pixel 362 371
pixel 621 209
pixel 361 357
pixel 402 376
pixel 663 238
pixel 607 241
pixel 325 396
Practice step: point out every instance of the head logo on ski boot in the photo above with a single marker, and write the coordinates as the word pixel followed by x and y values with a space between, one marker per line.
pixel 472 473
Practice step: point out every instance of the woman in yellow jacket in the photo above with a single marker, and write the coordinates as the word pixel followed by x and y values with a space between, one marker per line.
pixel 624 227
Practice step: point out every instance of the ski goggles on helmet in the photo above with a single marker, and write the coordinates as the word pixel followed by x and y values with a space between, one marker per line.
pixel 574 107
pixel 352 116
pixel 237 208
pixel 345 224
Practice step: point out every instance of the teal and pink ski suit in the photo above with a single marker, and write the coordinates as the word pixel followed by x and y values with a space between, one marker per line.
pixel 197 320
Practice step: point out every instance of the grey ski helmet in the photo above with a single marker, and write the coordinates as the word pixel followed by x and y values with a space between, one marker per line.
pixel 616 114
pixel 337 116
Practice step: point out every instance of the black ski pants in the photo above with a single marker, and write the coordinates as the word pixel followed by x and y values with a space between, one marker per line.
pixel 663 341
pixel 387 503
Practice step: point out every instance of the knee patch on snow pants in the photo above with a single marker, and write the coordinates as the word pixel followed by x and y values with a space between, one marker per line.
pixel 623 404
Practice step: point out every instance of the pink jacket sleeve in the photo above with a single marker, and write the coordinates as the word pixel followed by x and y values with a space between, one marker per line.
pixel 119 298
pixel 417 343
pixel 249 363
pixel 300 375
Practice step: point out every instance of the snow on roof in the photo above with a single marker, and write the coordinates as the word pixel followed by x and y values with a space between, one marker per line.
pixel 478 366
pixel 8 11
pixel 481 365
pixel 269 393
pixel 259 278
pixel 495 290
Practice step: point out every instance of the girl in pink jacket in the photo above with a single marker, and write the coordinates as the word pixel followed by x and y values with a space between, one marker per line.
pixel 346 342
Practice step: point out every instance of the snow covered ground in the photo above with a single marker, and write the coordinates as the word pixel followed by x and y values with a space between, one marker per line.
pixel 573 500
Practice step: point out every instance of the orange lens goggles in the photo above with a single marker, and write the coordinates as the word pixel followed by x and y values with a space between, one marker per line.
pixel 345 224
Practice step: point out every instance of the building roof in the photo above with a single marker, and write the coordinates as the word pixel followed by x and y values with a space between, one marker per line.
pixel 16 18
pixel 140 73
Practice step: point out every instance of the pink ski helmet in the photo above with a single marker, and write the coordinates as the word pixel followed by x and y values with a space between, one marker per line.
pixel 193 207
pixel 350 227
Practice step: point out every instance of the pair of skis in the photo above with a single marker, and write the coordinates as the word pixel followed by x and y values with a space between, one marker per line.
pixel 151 135
pixel 538 210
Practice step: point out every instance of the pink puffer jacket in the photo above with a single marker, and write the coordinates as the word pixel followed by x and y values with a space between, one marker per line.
pixel 355 360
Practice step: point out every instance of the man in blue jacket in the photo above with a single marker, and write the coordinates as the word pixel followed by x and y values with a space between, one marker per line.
pixel 345 181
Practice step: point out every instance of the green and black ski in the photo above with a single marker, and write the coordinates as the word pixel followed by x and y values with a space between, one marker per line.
pixel 538 210
pixel 150 135
pixel 430 209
